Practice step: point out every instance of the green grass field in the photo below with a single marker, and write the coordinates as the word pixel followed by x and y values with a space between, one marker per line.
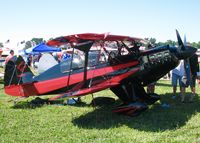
pixel 84 123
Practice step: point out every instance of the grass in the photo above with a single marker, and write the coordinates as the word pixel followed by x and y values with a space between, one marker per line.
pixel 84 123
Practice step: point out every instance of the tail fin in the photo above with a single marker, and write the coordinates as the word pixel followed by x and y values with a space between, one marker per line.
pixel 17 72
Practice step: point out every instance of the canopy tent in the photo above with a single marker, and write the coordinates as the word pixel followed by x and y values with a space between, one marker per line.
pixel 42 48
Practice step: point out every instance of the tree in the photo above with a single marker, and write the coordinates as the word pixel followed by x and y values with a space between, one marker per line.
pixel 160 43
pixel 151 41
pixel 28 44
pixel 198 45
pixel 1 44
pixel 194 44
pixel 171 43
pixel 37 40
pixel 33 42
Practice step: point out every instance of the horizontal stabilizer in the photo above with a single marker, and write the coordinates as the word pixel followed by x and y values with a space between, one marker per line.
pixel 132 109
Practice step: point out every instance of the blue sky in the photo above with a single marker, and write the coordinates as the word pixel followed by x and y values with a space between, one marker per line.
pixel 24 19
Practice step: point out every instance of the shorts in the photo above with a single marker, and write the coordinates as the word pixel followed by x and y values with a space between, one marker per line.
pixel 178 78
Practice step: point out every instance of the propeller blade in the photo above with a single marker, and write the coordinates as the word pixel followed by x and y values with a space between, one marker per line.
pixel 180 42
pixel 184 51
pixel 185 41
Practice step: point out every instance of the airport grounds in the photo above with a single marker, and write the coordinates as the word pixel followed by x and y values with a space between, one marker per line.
pixel 24 122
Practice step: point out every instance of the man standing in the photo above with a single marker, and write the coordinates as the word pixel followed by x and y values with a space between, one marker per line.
pixel 194 68
pixel 177 75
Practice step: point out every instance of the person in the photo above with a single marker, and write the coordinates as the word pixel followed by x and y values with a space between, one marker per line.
pixel 9 56
pixel 177 75
pixel 65 56
pixel 29 60
pixel 194 68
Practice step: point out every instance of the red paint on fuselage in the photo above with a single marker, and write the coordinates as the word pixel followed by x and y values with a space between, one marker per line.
pixel 43 87
pixel 101 86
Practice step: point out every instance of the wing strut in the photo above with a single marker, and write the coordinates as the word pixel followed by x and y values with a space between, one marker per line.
pixel 85 67
pixel 70 68
pixel 85 47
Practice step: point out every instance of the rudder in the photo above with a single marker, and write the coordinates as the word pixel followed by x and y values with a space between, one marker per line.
pixel 17 72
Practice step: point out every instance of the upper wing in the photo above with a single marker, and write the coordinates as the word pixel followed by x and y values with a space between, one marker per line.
pixel 79 38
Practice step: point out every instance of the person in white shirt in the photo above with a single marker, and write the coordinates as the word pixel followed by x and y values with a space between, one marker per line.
pixel 177 76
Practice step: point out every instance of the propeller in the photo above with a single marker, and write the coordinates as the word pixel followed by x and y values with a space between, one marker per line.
pixel 184 51
pixel 180 42
pixel 185 41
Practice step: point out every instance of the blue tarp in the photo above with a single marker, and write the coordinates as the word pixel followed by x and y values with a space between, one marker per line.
pixel 41 48
pixel 44 48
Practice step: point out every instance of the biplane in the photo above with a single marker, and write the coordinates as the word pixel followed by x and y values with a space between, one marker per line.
pixel 98 62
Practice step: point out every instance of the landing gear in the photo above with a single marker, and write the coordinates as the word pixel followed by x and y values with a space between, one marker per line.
pixel 134 97
pixel 152 98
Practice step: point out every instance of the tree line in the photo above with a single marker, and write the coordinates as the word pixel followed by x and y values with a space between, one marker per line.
pixel 170 42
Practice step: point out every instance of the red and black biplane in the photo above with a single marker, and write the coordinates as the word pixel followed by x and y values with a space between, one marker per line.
pixel 98 62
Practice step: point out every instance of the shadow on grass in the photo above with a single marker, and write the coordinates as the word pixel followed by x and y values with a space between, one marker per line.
pixel 39 102
pixel 35 103
pixel 156 118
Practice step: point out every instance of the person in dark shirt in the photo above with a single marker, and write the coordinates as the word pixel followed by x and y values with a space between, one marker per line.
pixel 29 60
pixel 194 68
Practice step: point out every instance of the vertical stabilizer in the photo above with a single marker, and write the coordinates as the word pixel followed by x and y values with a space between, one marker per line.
pixel 17 72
